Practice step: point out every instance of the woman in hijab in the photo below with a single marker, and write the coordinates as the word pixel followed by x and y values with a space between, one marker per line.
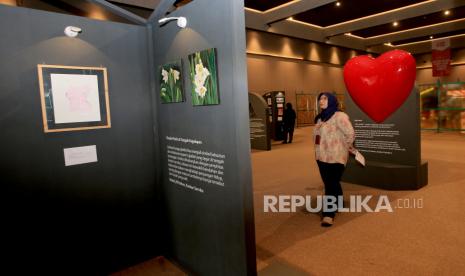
pixel 334 136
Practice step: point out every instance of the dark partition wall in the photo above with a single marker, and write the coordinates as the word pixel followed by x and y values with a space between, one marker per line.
pixel 84 219
pixel 204 149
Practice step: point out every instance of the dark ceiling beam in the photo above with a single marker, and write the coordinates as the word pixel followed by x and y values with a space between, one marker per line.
pixel 391 16
pixel 145 4
pixel 162 7
pixel 287 10
pixel 120 11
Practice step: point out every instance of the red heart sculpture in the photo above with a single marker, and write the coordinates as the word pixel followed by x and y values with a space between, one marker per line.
pixel 380 86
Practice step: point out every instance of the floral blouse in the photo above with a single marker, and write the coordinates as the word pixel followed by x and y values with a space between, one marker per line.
pixel 336 139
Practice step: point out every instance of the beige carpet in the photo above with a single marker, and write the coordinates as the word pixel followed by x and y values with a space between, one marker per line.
pixel 426 241
pixel 153 267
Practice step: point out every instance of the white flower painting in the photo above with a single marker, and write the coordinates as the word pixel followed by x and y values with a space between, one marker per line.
pixel 171 88
pixel 204 79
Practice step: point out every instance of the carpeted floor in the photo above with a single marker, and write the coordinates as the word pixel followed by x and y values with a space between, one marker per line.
pixel 421 241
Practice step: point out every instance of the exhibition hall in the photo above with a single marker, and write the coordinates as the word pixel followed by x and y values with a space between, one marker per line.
pixel 232 137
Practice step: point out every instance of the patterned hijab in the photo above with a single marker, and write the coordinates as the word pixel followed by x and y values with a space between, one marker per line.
pixel 328 112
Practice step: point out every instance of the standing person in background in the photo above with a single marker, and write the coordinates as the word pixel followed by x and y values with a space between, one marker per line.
pixel 333 136
pixel 289 123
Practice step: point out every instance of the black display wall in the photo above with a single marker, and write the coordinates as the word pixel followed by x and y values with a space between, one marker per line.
pixel 210 223
pixel 392 149
pixel 85 219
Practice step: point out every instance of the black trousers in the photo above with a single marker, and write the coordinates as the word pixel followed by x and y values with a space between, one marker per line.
pixel 331 174
pixel 288 130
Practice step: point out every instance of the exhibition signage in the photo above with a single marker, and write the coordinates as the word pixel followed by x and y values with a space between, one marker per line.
pixel 440 57
pixel 276 101
pixel 383 108
pixel 259 124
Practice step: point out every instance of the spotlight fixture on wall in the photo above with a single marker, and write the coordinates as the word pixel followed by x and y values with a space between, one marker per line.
pixel 72 31
pixel 395 24
pixel 446 12
pixel 338 4
pixel 180 21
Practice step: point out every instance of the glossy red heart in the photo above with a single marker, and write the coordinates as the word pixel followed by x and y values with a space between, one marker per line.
pixel 380 86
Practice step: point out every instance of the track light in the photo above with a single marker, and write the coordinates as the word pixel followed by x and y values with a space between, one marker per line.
pixel 72 31
pixel 180 21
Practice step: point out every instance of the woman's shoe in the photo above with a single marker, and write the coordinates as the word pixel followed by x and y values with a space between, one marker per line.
pixel 327 221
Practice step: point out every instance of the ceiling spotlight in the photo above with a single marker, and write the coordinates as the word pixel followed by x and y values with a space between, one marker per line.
pixel 72 31
pixel 291 18
pixel 348 33
pixel 388 44
pixel 430 37
pixel 446 12
pixel 180 21
pixel 395 24
pixel 338 4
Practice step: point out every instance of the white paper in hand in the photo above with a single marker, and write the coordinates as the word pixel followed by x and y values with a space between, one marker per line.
pixel 360 159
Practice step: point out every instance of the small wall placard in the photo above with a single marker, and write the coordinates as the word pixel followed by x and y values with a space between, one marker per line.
pixel 80 155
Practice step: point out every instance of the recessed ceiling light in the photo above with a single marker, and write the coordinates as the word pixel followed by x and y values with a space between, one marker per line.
pixel 338 4
pixel 430 37
pixel 446 12
pixel 395 24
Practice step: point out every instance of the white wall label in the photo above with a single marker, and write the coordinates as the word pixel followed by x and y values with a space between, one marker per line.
pixel 80 155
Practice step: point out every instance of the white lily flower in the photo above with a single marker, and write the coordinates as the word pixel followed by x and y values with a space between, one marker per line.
pixel 198 81
pixel 201 91
pixel 164 74
pixel 175 75
pixel 198 68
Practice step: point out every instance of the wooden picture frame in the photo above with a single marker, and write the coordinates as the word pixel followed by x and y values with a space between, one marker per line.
pixel 74 97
